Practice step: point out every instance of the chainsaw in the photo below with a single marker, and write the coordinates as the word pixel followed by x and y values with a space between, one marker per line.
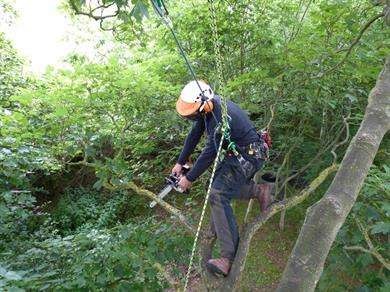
pixel 172 182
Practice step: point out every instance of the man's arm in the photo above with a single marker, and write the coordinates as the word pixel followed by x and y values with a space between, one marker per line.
pixel 191 141
pixel 205 159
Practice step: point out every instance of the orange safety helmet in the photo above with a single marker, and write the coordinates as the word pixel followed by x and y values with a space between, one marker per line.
pixel 195 97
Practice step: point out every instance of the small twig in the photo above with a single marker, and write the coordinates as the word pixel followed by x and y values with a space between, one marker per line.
pixel 346 127
pixel 82 162
pixel 283 213
pixel 19 192
pixel 372 250
pixel 294 34
pixel 248 210
pixel 286 157
pixel 91 14
pixel 272 110
pixel 124 128
pixel 100 7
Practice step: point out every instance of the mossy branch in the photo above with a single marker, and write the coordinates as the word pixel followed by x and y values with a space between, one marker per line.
pixel 231 282
pixel 167 207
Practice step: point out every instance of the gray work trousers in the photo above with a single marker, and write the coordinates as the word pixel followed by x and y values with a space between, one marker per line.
pixel 231 181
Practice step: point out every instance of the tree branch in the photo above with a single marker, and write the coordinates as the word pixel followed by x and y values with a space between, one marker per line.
pixel 346 127
pixel 230 283
pixel 325 218
pixel 91 11
pixel 372 250
pixel 140 191
pixel 167 207
pixel 318 155
pixel 272 110
pixel 353 44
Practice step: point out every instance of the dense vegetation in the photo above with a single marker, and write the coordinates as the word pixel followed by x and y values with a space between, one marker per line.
pixel 70 139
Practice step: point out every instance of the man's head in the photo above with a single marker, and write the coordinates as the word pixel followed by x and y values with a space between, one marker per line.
pixel 195 98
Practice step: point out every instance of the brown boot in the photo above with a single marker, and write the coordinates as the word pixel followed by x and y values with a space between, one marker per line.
pixel 263 195
pixel 219 266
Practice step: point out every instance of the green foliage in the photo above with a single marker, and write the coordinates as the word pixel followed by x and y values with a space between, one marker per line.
pixel 116 118
pixel 88 242
pixel 122 258
pixel 16 217
pixel 80 209
pixel 10 71
pixel 362 269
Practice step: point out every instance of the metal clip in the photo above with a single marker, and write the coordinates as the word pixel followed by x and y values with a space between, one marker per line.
pixel 251 151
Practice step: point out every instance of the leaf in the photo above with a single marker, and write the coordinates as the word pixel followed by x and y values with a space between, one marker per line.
pixel 385 288
pixel 381 227
pixel 365 259
pixel 60 112
pixel 386 208
pixel 351 97
pixel 140 11
pixel 372 213
pixel 98 184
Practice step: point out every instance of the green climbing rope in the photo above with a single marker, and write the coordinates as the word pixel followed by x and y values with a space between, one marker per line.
pixel 225 132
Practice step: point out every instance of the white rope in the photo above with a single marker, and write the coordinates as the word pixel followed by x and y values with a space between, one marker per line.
pixel 202 215
pixel 225 132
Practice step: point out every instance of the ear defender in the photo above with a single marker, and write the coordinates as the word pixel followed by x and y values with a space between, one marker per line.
pixel 206 103
pixel 208 106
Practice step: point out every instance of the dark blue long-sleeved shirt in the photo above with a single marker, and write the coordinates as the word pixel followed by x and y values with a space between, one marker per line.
pixel 242 132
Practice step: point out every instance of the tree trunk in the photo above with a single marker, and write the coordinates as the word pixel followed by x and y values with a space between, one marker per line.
pixel 324 219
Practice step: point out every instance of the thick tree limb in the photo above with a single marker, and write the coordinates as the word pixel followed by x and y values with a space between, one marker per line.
pixel 324 219
pixel 231 282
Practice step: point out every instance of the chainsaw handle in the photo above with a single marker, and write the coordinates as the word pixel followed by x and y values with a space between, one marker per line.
pixel 184 169
pixel 179 190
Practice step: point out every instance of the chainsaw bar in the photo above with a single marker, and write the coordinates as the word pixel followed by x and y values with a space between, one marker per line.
pixel 165 191
pixel 172 184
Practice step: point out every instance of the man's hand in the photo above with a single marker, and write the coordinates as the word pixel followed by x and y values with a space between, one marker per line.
pixel 176 170
pixel 184 183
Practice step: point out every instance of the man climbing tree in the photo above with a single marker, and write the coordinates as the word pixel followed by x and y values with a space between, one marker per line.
pixel 233 177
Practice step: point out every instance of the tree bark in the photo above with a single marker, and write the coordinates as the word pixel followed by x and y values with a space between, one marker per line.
pixel 324 219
